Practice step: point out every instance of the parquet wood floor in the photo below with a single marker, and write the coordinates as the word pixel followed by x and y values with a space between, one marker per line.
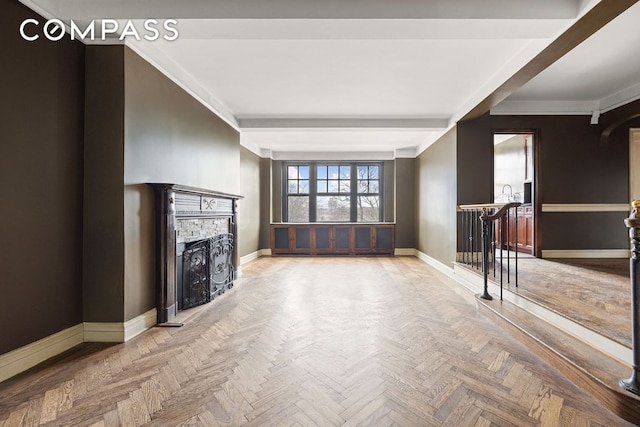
pixel 592 292
pixel 311 341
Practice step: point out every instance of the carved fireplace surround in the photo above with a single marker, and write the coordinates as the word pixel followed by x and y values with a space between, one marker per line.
pixel 183 215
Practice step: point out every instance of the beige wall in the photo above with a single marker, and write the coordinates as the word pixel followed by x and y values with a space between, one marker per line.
pixel 249 206
pixel 436 199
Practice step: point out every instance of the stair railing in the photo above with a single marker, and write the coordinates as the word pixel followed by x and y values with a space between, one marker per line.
pixel 486 236
pixel 632 384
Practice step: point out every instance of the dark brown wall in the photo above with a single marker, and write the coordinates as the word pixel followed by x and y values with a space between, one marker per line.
pixel 249 207
pixel 103 276
pixel 405 203
pixel 169 137
pixel 276 192
pixel 41 122
pixel 265 203
pixel 436 199
pixel 574 167
pixel 389 210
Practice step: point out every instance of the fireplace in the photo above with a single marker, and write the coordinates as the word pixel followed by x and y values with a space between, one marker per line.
pixel 196 246
pixel 205 270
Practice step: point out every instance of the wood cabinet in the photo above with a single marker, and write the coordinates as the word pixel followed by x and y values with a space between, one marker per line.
pixel 333 239
pixel 522 241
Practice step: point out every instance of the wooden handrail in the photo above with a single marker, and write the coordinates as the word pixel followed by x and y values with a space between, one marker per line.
pixel 500 213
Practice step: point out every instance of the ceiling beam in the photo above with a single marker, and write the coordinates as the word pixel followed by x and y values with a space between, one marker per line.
pixel 341 123
pixel 596 18
pixel 314 9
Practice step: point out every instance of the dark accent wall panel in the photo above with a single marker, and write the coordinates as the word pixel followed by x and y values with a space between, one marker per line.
pixel 41 123
pixel 436 199
pixel 405 203
pixel 389 193
pixel 474 165
pixel 582 230
pixel 169 137
pixel 276 192
pixel 103 271
pixel 265 203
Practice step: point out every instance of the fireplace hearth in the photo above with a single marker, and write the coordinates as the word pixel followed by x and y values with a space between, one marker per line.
pixel 196 246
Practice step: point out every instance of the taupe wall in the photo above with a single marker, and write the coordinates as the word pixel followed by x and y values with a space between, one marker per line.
pixel 249 207
pixel 574 167
pixel 276 192
pixel 389 210
pixel 265 203
pixel 405 203
pixel 436 205
pixel 41 117
pixel 169 137
pixel 103 270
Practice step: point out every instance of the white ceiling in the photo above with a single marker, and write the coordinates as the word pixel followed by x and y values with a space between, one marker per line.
pixel 366 78
pixel 600 74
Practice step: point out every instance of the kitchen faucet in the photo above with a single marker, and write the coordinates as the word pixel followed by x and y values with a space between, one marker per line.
pixel 510 191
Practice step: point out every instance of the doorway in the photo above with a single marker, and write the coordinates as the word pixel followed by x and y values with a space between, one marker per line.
pixel 513 181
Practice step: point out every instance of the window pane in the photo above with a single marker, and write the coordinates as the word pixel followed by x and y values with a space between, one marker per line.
pixel 373 172
pixel 322 186
pixel 293 187
pixel 298 208
pixel 304 172
pixel 345 172
pixel 362 186
pixel 345 186
pixel 333 208
pixel 374 186
pixel 333 186
pixel 304 186
pixel 368 208
pixel 333 172
pixel 322 172
pixel 292 172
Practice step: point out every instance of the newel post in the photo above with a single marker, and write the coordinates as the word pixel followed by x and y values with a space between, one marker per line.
pixel 485 254
pixel 632 384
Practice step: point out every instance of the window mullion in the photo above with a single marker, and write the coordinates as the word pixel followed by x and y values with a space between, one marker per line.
pixel 353 194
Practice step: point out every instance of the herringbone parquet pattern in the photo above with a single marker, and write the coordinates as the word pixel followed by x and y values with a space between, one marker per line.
pixel 310 341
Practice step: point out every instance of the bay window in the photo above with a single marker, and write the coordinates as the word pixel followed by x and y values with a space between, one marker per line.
pixel 332 192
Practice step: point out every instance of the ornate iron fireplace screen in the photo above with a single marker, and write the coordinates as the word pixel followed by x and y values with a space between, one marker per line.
pixel 207 270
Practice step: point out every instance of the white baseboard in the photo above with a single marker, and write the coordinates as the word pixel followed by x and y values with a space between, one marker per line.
pixel 139 324
pixel 586 253
pixel 435 263
pixel 103 331
pixel 23 358
pixel 119 331
pixel 405 252
pixel 249 257
pixel 254 255
pixel 30 355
